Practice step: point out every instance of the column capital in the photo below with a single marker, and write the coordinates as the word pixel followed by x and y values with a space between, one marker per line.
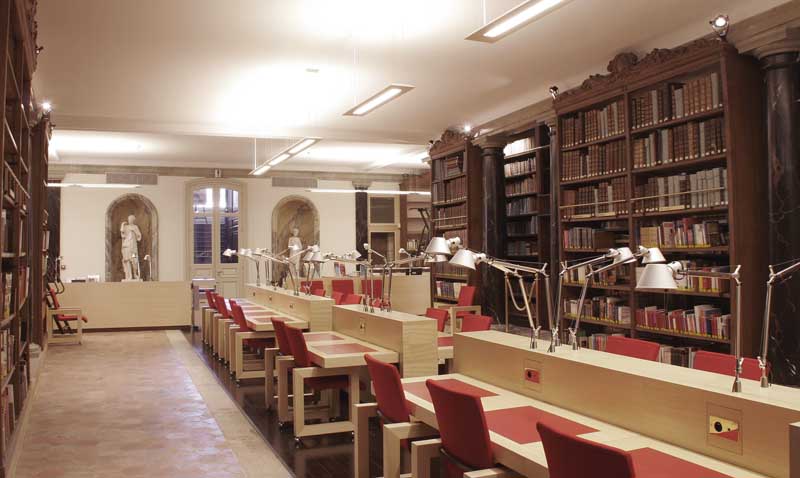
pixel 775 31
pixel 491 142
pixel 361 185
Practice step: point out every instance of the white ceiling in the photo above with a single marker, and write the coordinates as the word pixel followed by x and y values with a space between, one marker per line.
pixel 191 82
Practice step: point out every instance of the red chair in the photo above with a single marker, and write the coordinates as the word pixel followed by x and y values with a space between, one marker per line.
pixel 351 299
pixel 318 292
pixel 238 318
pixel 210 299
pixel 462 425
pixel 375 291
pixel 466 297
pixel 476 323
pixel 297 342
pixel 440 315
pixel 61 320
pixel 574 457
pixel 307 286
pixel 337 297
pixel 280 336
pixel 221 307
pixel 725 364
pixel 641 349
pixel 344 286
pixel 388 390
pixel 377 302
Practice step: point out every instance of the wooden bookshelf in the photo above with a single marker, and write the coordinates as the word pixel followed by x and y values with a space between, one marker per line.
pixel 685 113
pixel 412 224
pixel 526 237
pixel 456 204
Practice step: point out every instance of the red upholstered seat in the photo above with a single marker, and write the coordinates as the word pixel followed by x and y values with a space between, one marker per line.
pixel 57 305
pixel 441 316
pixel 307 286
pixel 463 429
pixel 222 308
pixel 238 318
pixel 212 303
pixel 318 292
pixel 388 390
pixel 351 299
pixel 466 297
pixel 375 291
pixel 337 297
pixel 569 456
pixel 475 323
pixel 725 364
pixel 280 336
pixel 297 342
pixel 641 349
pixel 344 286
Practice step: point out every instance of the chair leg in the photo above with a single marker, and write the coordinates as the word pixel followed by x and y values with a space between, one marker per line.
pixel 422 452
pixel 361 415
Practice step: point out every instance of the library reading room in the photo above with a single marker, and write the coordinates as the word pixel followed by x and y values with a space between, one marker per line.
pixel 417 239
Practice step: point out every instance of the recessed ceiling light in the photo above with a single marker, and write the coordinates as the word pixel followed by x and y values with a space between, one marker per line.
pixel 369 191
pixel 515 19
pixel 302 145
pixel 287 153
pixel 279 159
pixel 382 97
pixel 92 185
pixel 260 170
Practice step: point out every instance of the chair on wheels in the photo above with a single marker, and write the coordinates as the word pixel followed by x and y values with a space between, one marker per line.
pixel 310 286
pixel 376 289
pixel 570 456
pixel 318 292
pixel 725 364
pixel 337 297
pixel 475 323
pixel 208 315
pixel 62 318
pixel 464 306
pixel 351 299
pixel 344 286
pixel 440 315
pixel 641 349
pixel 241 365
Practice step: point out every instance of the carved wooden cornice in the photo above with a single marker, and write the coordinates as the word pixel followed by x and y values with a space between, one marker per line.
pixel 774 31
pixel 450 139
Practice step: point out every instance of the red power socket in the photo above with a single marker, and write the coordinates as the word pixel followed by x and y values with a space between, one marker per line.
pixel 533 375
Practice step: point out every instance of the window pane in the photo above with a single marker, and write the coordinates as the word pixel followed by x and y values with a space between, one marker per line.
pixel 383 243
pixel 202 239
pixel 202 200
pixel 381 210
pixel 228 200
pixel 228 238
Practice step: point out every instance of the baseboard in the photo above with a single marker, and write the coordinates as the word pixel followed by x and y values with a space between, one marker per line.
pixel 138 329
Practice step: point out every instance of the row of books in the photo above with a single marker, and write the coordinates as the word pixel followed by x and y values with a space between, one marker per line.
pixel 451 215
pixel 711 285
pixel 703 320
pixel 519 146
pixel 521 228
pixel 448 167
pixel 680 356
pixel 588 238
pixel 459 233
pixel 706 188
pixel 8 417
pixel 617 276
pixel 451 270
pixel 7 348
pixel 688 232
pixel 594 124
pixel 608 198
pixel 517 206
pixel 522 186
pixel 449 191
pixel 601 308
pixel 595 341
pixel 596 160
pixel 448 289
pixel 521 248
pixel 520 167
pixel 676 100
pixel 688 141
pixel 8 281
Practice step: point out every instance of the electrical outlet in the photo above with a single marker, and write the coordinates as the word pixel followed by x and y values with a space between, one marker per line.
pixel 362 326
pixel 532 375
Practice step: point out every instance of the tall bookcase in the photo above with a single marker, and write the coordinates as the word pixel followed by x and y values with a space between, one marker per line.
pixel 456 205
pixel 666 151
pixel 526 169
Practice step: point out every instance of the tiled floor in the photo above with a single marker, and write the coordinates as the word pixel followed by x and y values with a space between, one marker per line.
pixel 136 404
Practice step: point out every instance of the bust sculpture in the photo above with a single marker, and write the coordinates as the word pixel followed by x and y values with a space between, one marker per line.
pixel 295 244
pixel 131 235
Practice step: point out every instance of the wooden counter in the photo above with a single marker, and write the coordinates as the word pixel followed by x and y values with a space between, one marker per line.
pixel 410 293
pixel 310 308
pixel 668 403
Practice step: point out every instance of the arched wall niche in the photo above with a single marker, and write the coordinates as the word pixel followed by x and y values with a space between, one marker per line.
pixel 293 211
pixel 147 220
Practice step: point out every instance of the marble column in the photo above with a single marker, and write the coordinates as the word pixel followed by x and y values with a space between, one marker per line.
pixel 494 215
pixel 782 85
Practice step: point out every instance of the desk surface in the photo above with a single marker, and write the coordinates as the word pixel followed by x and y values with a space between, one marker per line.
pixel 445 345
pixel 259 318
pixel 512 422
pixel 334 349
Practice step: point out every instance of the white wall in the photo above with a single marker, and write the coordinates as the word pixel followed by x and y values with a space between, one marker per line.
pixel 83 221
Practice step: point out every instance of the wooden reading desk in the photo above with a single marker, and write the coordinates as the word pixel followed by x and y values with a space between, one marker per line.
pixel 313 309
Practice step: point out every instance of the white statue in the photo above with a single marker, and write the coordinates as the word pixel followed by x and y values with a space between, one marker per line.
pixel 131 235
pixel 295 245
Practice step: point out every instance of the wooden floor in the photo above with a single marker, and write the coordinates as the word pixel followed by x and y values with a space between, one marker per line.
pixel 326 457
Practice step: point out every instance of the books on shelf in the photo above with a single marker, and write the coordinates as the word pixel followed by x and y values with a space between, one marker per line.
pixel 702 320
pixel 450 270
pixel 594 124
pixel 520 167
pixel 609 309
pixel 688 141
pixel 447 167
pixel 521 248
pixel 448 289
pixel 518 146
pixel 8 281
pixel 608 198
pixel 596 341
pixel 522 228
pixel 617 276
pixel 710 285
pixel 524 205
pixel 676 100
pixel 596 160
pixel 450 215
pixel 522 186
pixel 681 356
pixel 450 190
pixel 588 238
pixel 687 232
pixel 7 348
pixel 702 189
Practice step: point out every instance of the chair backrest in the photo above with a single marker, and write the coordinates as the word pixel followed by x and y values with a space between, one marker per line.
pixel 574 457
pixel 466 295
pixel 311 285
pixel 641 349
pixel 337 297
pixel 375 291
pixel 388 390
pixel 297 342
pixel 441 316
pixel 377 302
pixel 54 297
pixel 318 292
pixel 345 286
pixel 475 323
pixel 212 302
pixel 221 307
pixel 280 336
pixel 350 299
pixel 238 315
pixel 725 364
pixel 462 425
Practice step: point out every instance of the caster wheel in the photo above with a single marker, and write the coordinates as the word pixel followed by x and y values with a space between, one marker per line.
pixel 298 443
pixel 352 437
pixel 281 425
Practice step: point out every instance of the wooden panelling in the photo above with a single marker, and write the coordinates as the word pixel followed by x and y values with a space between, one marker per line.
pixel 311 308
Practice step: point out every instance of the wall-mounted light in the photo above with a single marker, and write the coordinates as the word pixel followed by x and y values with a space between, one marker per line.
pixel 47 106
pixel 287 153
pixel 720 25
pixel 467 128
pixel 380 98
pixel 553 91
pixel 515 19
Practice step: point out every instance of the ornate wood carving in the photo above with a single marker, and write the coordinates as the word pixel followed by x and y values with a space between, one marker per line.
pixel 449 140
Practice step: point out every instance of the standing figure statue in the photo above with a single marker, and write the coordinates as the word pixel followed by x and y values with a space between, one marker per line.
pixel 295 245
pixel 131 235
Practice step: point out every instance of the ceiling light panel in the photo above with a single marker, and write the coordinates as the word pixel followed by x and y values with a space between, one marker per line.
pixel 515 19
pixel 379 99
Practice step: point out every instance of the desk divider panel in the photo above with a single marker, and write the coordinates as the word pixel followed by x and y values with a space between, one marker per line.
pixel 411 336
pixel 794 447
pixel 311 308
pixel 669 403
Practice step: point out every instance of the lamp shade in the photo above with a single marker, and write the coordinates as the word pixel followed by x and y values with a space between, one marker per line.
pixel 438 245
pixel 464 258
pixel 242 252
pixel 317 257
pixel 652 255
pixel 435 258
pixel 228 252
pixel 624 256
pixel 657 277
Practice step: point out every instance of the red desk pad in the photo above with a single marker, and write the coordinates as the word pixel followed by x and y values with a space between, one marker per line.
pixel 650 463
pixel 342 349
pixel 519 423
pixel 445 341
pixel 321 336
pixel 421 390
